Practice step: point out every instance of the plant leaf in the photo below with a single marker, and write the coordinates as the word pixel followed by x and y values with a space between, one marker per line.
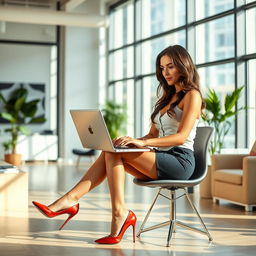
pixel 26 131
pixel 2 98
pixel 231 99
pixel 29 109
pixel 213 104
pixel 37 120
pixel 18 104
pixel 8 117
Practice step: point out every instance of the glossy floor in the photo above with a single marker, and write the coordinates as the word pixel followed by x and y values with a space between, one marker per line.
pixel 27 233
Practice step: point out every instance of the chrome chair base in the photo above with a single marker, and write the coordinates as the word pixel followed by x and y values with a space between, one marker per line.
pixel 173 222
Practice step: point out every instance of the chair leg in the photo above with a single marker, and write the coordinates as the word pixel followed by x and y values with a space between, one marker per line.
pixel 194 208
pixel 172 227
pixel 173 208
pixel 171 231
pixel 148 213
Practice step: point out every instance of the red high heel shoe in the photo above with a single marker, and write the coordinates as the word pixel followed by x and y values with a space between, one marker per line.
pixel 130 221
pixel 72 211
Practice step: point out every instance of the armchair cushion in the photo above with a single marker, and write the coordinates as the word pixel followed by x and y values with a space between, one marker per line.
pixel 227 161
pixel 229 176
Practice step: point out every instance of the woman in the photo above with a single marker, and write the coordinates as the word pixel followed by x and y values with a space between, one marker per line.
pixel 172 134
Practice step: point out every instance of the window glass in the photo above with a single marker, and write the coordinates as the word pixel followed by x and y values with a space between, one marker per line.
pixel 138 108
pixel 149 92
pixel 111 93
pixel 205 8
pixel 124 95
pixel 157 16
pixel 121 26
pixel 215 40
pixel 251 31
pixel 121 64
pixel 251 102
pixel 129 101
pixel 221 79
pixel 150 49
pixel 111 30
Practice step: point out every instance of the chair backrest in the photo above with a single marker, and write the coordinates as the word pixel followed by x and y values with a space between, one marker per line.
pixel 201 142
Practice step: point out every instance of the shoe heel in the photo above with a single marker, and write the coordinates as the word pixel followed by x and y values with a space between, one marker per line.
pixel 133 227
pixel 69 218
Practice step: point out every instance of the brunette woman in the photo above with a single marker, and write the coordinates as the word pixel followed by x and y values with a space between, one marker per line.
pixel 173 129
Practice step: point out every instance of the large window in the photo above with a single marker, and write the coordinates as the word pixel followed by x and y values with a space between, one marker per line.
pixel 219 35
pixel 215 40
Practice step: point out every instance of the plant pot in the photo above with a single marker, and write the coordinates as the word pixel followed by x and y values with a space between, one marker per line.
pixel 206 185
pixel 14 159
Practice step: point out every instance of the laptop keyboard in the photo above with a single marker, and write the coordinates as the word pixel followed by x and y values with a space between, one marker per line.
pixel 122 147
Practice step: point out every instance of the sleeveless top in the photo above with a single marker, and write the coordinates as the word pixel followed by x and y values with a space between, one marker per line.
pixel 167 125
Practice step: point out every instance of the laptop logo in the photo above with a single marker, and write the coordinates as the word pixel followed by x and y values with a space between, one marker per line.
pixel 90 129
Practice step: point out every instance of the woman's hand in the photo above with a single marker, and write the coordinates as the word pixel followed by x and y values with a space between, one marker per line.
pixel 128 141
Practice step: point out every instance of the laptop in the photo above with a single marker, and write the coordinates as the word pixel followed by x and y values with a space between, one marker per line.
pixel 93 132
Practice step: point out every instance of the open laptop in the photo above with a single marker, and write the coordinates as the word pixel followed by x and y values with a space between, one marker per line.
pixel 93 132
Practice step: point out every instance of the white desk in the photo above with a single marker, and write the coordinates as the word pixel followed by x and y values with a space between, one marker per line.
pixel 13 192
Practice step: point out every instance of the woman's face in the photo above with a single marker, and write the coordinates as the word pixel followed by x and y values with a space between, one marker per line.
pixel 169 71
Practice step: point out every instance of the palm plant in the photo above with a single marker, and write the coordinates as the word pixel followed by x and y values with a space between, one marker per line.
pixel 115 117
pixel 217 116
pixel 19 112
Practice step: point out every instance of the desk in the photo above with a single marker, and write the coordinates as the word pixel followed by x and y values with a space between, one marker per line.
pixel 13 192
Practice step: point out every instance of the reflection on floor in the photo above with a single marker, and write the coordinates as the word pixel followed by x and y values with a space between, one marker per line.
pixel 30 233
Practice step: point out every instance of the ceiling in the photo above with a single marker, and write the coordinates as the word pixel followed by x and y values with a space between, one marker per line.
pixel 46 12
pixel 50 4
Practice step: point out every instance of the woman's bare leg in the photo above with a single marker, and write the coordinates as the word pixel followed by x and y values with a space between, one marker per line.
pixel 112 165
pixel 115 169
pixel 92 178
pixel 116 177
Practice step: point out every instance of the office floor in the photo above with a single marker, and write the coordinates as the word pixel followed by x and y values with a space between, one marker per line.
pixel 27 233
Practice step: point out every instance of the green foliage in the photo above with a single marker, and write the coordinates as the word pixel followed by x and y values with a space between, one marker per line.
pixel 115 117
pixel 19 112
pixel 214 116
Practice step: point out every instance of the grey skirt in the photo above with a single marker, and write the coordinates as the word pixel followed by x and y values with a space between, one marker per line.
pixel 175 164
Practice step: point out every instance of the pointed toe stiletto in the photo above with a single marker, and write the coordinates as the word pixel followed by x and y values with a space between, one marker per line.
pixel 71 211
pixel 130 221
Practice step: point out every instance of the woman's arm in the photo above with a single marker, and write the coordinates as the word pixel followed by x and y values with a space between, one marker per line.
pixel 121 141
pixel 153 133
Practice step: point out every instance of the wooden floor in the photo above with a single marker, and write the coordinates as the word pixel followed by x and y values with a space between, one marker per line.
pixel 27 233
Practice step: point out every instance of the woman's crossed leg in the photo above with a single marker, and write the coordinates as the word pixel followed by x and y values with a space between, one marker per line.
pixel 113 166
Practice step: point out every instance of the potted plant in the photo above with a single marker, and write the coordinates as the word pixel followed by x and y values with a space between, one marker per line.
pixel 218 116
pixel 19 112
pixel 115 117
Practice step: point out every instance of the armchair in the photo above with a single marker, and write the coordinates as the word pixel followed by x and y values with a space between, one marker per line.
pixel 233 179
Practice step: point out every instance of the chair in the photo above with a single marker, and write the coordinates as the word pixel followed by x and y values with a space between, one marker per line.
pixel 89 153
pixel 233 179
pixel 200 150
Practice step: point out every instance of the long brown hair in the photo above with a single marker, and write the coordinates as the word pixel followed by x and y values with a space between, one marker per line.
pixel 189 79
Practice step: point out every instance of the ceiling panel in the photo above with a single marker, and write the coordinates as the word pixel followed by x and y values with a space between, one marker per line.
pixel 48 4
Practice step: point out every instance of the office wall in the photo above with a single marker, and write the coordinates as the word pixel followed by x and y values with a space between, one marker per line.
pixel 79 70
pixel 80 82
pixel 27 64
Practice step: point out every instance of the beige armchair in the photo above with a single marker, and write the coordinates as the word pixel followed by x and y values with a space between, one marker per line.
pixel 233 178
